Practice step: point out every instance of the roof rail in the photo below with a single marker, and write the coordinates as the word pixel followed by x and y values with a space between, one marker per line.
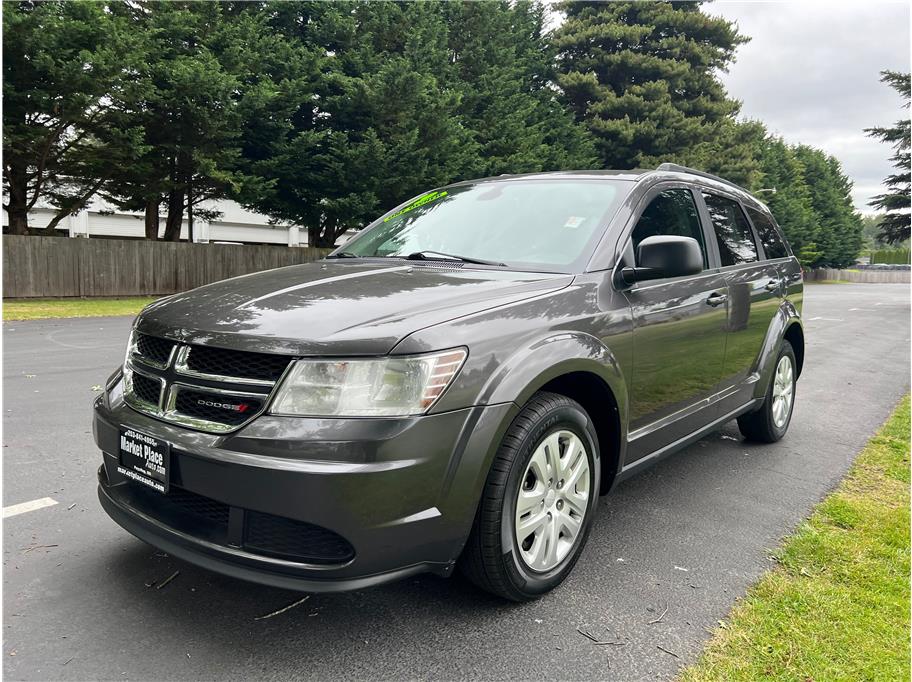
pixel 677 168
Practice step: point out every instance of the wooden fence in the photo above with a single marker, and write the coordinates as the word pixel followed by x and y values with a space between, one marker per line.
pixel 865 276
pixel 62 267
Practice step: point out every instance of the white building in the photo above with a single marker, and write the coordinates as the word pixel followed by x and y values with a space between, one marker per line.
pixel 236 224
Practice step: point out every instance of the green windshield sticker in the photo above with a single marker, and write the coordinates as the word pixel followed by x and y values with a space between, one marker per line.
pixel 421 201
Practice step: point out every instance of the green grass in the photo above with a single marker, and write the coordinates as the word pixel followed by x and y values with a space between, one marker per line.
pixel 828 281
pixel 836 607
pixel 43 308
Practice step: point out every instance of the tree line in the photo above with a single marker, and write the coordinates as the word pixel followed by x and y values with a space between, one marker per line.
pixel 325 114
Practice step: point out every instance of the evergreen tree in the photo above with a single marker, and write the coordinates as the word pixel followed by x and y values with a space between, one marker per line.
pixel 399 92
pixel 66 85
pixel 788 196
pixel 289 138
pixel 731 153
pixel 642 76
pixel 381 123
pixel 326 114
pixel 839 227
pixel 895 225
pixel 504 72
pixel 411 95
pixel 196 77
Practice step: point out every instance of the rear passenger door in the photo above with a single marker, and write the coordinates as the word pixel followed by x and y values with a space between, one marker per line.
pixel 754 288
pixel 774 248
pixel 679 330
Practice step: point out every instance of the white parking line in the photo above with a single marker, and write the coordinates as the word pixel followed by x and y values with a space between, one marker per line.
pixel 16 509
pixel 826 319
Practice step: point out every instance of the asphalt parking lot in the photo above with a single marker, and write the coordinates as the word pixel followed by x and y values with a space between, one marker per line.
pixel 689 536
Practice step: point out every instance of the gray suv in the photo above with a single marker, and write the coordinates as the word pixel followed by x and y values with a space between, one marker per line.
pixel 457 385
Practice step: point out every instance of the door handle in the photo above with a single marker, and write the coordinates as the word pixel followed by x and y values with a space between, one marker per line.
pixel 772 285
pixel 716 299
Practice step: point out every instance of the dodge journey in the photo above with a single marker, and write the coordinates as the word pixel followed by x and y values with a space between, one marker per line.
pixel 457 385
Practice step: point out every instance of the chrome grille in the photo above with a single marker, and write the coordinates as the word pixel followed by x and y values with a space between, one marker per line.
pixel 205 388
pixel 154 350
pixel 147 389
pixel 220 361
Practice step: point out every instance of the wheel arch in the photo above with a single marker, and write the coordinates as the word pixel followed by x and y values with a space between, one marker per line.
pixel 596 398
pixel 794 334
pixel 580 367
pixel 786 325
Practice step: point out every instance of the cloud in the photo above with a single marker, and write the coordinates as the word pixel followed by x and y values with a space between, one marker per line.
pixel 811 73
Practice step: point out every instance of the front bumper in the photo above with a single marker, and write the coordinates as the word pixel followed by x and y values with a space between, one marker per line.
pixel 401 493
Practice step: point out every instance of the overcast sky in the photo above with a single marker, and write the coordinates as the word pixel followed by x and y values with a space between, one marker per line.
pixel 811 74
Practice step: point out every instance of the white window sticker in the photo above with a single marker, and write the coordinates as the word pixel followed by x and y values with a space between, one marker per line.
pixel 574 222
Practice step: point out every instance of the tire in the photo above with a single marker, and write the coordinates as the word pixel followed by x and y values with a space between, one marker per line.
pixel 494 559
pixel 769 423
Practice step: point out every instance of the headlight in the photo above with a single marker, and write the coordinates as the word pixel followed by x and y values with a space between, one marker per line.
pixel 376 387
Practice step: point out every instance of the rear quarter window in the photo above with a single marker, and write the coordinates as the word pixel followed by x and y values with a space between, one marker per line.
pixel 773 243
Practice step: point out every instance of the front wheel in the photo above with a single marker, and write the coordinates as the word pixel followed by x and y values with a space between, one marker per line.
pixel 538 502
pixel 771 421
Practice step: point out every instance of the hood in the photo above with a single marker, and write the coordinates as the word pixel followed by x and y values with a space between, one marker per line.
pixel 336 307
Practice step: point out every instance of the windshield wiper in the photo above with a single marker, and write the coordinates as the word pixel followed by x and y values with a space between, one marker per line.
pixel 430 255
pixel 344 254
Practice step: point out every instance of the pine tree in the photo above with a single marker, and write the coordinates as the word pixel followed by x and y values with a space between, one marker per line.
pixel 504 72
pixel 642 76
pixel 66 84
pixel 196 75
pixel 380 123
pixel 787 196
pixel 839 227
pixel 895 225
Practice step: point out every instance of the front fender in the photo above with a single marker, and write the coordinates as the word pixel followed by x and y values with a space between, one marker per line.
pixel 786 316
pixel 534 366
pixel 530 368
pixel 502 396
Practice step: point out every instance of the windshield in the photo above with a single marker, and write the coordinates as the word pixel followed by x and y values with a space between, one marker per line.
pixel 526 224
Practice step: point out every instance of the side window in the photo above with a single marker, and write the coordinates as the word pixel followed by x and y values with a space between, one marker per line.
pixel 733 232
pixel 672 212
pixel 769 235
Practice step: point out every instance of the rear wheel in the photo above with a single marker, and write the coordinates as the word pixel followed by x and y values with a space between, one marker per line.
pixel 538 502
pixel 771 421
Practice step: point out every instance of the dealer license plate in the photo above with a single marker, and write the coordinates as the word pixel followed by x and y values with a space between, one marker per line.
pixel 144 459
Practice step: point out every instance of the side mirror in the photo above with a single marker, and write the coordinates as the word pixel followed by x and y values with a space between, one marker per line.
pixel 665 256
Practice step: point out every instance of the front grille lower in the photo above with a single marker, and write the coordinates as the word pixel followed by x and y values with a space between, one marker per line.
pixel 259 533
pixel 287 538
pixel 212 407
pixel 197 505
pixel 205 388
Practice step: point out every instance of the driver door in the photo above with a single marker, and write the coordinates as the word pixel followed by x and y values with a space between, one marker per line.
pixel 679 332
